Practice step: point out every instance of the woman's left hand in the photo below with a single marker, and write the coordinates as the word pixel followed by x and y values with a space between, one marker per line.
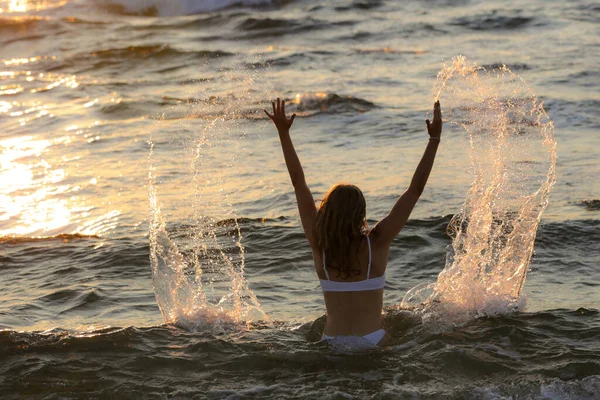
pixel 278 117
pixel 435 128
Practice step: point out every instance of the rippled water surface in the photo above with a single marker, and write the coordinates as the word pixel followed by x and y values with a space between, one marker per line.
pixel 86 86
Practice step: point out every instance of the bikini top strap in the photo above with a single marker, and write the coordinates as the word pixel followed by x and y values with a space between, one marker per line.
pixel 325 268
pixel 369 267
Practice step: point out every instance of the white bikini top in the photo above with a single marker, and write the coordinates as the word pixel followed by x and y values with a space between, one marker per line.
pixel 367 284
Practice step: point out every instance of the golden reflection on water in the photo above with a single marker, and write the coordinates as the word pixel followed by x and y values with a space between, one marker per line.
pixel 40 187
pixel 34 197
pixel 20 82
pixel 23 194
pixel 23 6
pixel 16 6
pixel 20 61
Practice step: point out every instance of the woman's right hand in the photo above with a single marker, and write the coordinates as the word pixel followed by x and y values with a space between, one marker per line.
pixel 282 123
pixel 435 128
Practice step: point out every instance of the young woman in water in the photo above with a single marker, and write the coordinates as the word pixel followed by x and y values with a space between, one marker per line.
pixel 349 258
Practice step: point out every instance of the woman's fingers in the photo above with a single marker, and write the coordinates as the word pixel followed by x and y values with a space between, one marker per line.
pixel 292 119
pixel 437 111
pixel 279 110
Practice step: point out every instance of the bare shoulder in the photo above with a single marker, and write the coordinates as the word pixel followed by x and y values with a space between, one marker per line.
pixel 377 240
pixel 380 248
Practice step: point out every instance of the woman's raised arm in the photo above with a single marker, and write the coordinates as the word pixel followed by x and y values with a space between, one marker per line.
pixel 392 224
pixel 304 198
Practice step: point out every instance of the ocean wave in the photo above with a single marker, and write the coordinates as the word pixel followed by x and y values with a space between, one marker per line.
pixel 494 21
pixel 214 100
pixel 570 114
pixel 124 59
pixel 294 59
pixel 84 300
pixel 573 237
pixel 591 205
pixel 328 103
pixel 529 354
pixel 360 5
pixel 123 110
pixel 242 220
pixel 177 7
pixel 208 108
pixel 200 22
pixel 585 78
pixel 579 326
pixel 390 50
pixel 254 24
pixel 585 11
pixel 19 23
pixel 64 237
pixel 408 30
pixel 303 104
pixel 67 295
pixel 252 28
pixel 81 21
pixel 512 67
pixel 154 51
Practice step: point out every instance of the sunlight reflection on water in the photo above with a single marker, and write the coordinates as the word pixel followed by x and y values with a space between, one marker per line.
pixel 36 198
pixel 23 6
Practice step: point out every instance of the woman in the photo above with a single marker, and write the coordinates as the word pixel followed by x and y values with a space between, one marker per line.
pixel 350 259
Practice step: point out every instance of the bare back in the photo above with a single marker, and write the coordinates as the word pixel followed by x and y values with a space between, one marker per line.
pixel 355 313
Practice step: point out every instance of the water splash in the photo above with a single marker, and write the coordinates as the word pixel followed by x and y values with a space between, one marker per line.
pixel 198 263
pixel 513 158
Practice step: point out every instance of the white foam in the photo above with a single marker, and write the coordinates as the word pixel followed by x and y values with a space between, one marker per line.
pixel 587 388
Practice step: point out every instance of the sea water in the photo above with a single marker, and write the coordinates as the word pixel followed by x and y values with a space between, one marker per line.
pixel 88 88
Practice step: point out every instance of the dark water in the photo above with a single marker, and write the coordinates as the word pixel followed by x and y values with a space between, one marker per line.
pixel 547 354
pixel 552 353
pixel 85 85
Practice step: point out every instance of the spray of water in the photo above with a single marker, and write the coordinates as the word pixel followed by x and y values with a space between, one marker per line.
pixel 198 263
pixel 512 158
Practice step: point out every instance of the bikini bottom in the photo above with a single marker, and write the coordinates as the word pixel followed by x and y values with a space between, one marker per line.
pixel 373 337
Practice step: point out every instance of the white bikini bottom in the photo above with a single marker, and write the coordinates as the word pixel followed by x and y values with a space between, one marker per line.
pixel 373 337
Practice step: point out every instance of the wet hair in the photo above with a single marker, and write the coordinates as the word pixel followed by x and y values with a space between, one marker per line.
pixel 341 219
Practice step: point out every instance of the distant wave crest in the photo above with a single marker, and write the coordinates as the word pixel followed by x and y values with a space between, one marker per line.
pixel 493 21
pixel 65 237
pixel 154 51
pixel 331 103
pixel 303 104
pixel 176 7
pixel 514 354
pixel 20 23
pixel 592 205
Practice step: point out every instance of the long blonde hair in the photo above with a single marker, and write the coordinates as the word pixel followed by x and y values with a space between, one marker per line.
pixel 341 219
